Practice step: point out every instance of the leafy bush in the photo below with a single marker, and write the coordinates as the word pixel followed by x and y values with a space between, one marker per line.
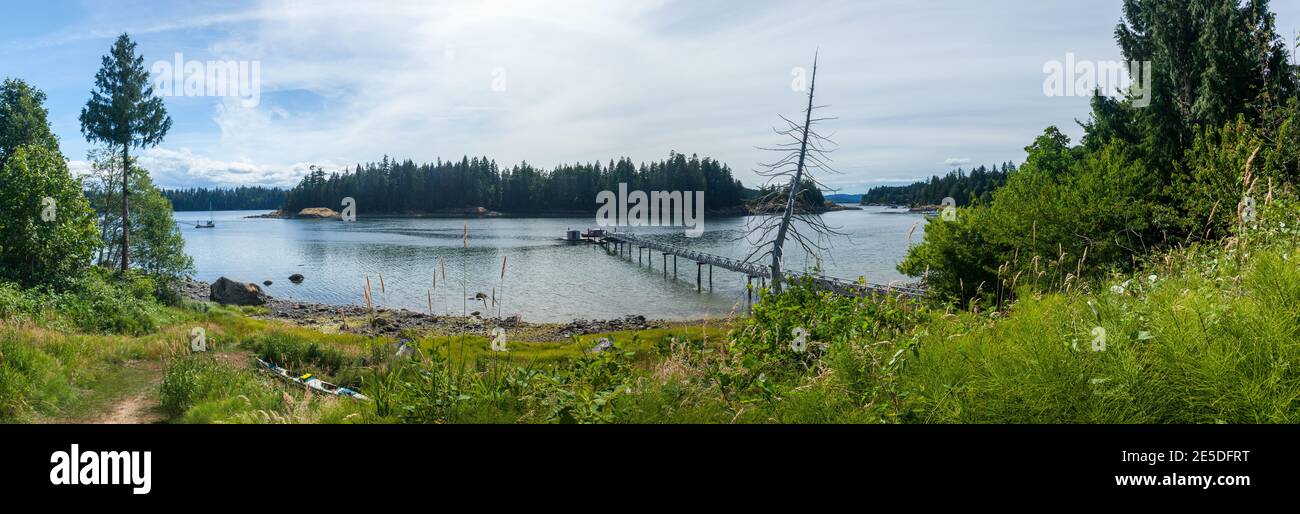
pixel 762 350
pixel 32 250
pixel 1068 212
pixel 97 302
pixel 102 303
pixel 585 390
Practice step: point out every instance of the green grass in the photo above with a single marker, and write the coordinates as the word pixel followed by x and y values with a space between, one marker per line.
pixel 1214 338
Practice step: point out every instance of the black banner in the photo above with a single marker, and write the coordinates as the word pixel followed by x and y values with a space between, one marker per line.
pixel 354 462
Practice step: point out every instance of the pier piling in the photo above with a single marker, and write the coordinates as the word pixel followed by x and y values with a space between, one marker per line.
pixel 751 270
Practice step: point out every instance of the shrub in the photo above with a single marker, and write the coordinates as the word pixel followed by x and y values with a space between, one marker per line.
pixel 34 251
pixel 101 303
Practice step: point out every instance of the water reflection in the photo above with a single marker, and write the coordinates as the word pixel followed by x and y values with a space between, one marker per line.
pixel 546 279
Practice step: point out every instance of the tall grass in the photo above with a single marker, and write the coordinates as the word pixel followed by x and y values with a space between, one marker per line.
pixel 1203 334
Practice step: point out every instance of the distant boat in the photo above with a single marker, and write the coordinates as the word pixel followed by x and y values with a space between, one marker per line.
pixel 209 224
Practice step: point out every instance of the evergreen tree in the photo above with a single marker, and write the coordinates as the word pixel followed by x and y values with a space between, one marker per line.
pixel 124 113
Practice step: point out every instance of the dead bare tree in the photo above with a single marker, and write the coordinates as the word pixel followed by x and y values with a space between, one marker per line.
pixel 788 178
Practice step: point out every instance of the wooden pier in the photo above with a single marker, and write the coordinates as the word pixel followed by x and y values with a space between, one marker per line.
pixel 645 249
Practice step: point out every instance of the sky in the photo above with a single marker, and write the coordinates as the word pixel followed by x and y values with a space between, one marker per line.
pixel 916 87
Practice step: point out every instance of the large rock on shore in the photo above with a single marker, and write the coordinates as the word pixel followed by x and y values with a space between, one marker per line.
pixel 229 292
pixel 317 212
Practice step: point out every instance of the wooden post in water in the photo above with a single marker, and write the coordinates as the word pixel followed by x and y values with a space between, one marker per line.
pixel 674 265
pixel 699 271
pixel 710 277
pixel 665 264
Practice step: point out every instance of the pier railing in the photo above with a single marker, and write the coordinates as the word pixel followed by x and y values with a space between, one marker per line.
pixel 754 270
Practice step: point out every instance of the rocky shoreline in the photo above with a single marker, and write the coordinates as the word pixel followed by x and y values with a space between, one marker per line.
pixel 356 319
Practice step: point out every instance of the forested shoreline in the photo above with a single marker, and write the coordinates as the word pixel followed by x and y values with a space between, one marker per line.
pixel 243 198
pixel 966 188
pixel 393 187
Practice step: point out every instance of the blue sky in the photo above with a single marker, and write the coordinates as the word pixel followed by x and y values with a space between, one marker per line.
pixel 918 86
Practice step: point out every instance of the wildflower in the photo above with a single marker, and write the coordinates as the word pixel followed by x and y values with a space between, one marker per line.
pixel 1151 279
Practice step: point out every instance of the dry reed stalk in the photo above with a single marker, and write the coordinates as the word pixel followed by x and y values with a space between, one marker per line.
pixel 1210 220
pixel 502 284
pixel 1078 270
pixel 369 299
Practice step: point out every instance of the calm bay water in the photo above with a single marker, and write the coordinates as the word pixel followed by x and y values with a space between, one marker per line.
pixel 546 279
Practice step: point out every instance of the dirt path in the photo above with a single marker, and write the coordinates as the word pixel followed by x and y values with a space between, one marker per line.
pixel 127 394
pixel 128 397
pixel 139 409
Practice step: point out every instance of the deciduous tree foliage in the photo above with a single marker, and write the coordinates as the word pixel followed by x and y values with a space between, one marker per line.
pixel 54 250
pixel 23 119
pixel 34 250
pixel 157 246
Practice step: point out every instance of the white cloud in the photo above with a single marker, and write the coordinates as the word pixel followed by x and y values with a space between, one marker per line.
pixel 345 81
pixel 590 80
pixel 183 168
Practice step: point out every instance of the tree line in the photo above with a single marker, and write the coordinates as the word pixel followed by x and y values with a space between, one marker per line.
pixel 966 188
pixel 243 198
pixel 54 227
pixel 1218 139
pixel 400 187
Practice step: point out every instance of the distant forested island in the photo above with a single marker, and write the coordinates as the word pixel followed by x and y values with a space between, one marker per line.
pixel 243 198
pixel 844 198
pixel 966 188
pixel 404 187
